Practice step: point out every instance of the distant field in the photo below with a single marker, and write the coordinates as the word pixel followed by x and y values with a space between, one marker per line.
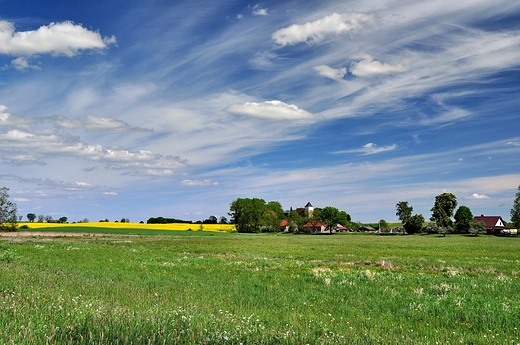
pixel 228 288
pixel 117 227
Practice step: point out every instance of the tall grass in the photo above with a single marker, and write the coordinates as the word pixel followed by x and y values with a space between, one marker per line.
pixel 214 288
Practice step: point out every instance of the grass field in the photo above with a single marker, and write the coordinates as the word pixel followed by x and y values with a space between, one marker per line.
pixel 227 288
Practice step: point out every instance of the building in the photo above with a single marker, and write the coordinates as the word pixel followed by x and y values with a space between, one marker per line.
pixel 494 224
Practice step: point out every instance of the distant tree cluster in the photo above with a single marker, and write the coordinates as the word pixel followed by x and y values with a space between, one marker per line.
pixel 256 215
pixel 163 220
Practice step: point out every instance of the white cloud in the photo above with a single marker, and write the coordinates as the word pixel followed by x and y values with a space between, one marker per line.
pixel 477 196
pixel 370 149
pixel 22 63
pixel 64 38
pixel 513 143
pixel 192 183
pixel 272 110
pixel 367 67
pixel 93 123
pixel 83 184
pixel 109 193
pixel 259 11
pixel 316 31
pixel 21 199
pixel 33 147
pixel 329 72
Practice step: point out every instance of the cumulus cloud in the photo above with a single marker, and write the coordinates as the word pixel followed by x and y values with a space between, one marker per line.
pixel 370 149
pixel 316 31
pixel 192 183
pixel 64 38
pixel 34 147
pixel 22 63
pixel 329 72
pixel 272 110
pixel 477 196
pixel 368 67
pixel 259 11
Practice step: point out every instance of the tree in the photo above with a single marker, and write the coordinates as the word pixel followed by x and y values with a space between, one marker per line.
pixel 383 224
pixel 247 214
pixel 296 222
pixel 48 218
pixel 476 227
pixel 271 220
pixel 404 211
pixel 515 211
pixel 31 217
pixel 8 209
pixel 330 217
pixel 344 218
pixel 442 210
pixel 414 224
pixel 41 217
pixel 211 220
pixel 63 220
pixel 463 218
pixel 223 220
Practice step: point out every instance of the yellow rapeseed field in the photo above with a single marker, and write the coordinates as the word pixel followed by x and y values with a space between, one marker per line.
pixel 118 225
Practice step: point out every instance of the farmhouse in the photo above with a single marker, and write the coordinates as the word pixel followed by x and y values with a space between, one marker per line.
pixel 316 227
pixel 494 224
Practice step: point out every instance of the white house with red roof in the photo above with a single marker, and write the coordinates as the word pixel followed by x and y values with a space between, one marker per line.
pixel 494 224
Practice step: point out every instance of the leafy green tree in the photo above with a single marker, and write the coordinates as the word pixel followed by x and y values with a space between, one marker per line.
pixel 63 220
pixel 247 214
pixel 404 211
pixel 296 222
pixel 31 217
pixel 463 218
pixel 383 224
pixel 515 211
pixel 271 220
pixel 8 209
pixel 442 210
pixel 414 224
pixel 330 217
pixel 476 227
pixel 344 218
pixel 277 208
pixel 223 220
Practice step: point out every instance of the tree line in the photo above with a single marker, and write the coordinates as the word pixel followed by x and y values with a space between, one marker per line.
pixel 441 220
pixel 256 215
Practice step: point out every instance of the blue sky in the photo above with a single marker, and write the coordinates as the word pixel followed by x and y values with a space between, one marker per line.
pixel 135 109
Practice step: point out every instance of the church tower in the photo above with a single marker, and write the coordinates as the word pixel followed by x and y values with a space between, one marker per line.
pixel 309 209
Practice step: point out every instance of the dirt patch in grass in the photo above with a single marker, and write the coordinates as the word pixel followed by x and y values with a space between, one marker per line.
pixel 46 234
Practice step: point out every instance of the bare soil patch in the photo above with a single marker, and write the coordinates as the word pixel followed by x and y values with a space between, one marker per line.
pixel 46 234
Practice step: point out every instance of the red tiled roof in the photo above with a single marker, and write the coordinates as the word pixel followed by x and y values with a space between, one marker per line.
pixel 284 222
pixel 490 221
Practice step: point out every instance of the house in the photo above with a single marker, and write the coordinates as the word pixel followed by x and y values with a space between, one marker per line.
pixel 316 228
pixel 284 226
pixel 494 224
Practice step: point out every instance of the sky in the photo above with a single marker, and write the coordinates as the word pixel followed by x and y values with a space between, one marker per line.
pixel 138 109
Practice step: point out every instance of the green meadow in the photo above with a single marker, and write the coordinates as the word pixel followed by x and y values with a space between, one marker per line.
pixel 222 288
